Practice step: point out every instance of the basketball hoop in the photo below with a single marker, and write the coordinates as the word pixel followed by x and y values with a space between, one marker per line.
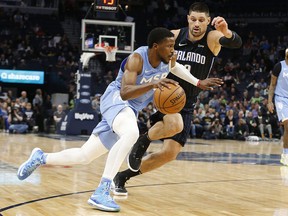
pixel 110 52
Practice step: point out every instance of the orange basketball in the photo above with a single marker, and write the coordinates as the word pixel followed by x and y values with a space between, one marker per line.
pixel 169 101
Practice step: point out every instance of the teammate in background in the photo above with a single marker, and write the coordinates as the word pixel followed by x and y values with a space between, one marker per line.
pixel 196 46
pixel 279 88
pixel 144 70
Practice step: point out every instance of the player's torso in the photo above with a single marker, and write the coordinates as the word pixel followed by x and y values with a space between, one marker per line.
pixel 282 81
pixel 197 58
pixel 148 75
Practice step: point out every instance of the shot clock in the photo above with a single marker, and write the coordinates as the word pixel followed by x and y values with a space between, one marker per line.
pixel 106 5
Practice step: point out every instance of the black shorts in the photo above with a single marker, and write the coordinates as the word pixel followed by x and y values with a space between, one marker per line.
pixel 181 137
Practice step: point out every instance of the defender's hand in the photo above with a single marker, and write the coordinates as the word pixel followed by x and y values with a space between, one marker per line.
pixel 209 83
pixel 221 25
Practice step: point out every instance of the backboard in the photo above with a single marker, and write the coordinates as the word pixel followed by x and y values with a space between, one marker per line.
pixel 98 33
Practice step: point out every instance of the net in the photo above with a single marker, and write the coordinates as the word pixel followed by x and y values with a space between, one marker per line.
pixel 110 52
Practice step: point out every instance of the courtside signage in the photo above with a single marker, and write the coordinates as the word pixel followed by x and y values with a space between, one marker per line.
pixel 21 76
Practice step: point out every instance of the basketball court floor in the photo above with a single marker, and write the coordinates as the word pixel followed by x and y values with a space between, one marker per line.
pixel 209 178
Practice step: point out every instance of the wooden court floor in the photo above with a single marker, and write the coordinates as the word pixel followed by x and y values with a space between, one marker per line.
pixel 211 178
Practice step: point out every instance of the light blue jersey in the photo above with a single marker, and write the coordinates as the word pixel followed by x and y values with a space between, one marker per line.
pixel 111 102
pixel 281 93
pixel 282 81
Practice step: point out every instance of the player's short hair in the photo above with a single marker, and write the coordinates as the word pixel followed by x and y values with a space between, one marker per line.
pixel 199 7
pixel 157 35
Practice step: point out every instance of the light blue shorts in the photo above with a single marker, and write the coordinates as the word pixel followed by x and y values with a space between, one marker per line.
pixel 281 104
pixel 110 105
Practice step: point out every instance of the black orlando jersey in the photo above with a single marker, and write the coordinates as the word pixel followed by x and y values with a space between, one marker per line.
pixel 197 58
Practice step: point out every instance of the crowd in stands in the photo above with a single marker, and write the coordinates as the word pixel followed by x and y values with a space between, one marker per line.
pixel 235 110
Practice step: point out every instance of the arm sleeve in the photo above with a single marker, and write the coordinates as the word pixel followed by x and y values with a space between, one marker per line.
pixel 180 71
pixel 277 69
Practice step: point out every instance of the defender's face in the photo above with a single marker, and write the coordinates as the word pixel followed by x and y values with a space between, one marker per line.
pixel 198 23
pixel 165 49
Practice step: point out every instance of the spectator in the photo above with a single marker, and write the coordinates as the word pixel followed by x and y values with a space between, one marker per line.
pixel 58 115
pixel 207 121
pixel 229 124
pixel 264 125
pixel 196 128
pixel 252 124
pixel 38 110
pixel 17 120
pixel 38 100
pixel 241 130
pixel 2 121
pixel 23 97
pixel 256 98
pixel 4 111
pixel 30 116
pixel 216 129
pixel 214 102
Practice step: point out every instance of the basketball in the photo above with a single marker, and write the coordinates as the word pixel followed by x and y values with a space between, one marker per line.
pixel 169 101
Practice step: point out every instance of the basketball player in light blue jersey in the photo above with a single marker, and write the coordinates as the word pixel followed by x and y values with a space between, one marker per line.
pixel 144 70
pixel 279 88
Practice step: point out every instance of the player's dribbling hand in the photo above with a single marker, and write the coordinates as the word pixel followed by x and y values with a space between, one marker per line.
pixel 163 83
pixel 209 83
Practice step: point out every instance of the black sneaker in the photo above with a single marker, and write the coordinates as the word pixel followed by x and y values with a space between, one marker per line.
pixel 135 157
pixel 118 188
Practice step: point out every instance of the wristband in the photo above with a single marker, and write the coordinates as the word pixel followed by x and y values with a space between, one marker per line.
pixel 234 42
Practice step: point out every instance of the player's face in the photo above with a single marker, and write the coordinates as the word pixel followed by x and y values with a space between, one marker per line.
pixel 165 49
pixel 198 23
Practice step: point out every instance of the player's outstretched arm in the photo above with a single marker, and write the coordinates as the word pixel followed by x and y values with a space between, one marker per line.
pixel 207 84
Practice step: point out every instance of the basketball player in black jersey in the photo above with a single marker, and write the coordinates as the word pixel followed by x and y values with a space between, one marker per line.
pixel 197 45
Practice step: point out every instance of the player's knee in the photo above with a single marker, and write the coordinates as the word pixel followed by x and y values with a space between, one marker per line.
pixel 174 122
pixel 131 137
pixel 83 159
pixel 176 127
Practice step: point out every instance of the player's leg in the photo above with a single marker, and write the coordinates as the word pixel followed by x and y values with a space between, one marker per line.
pixel 125 126
pixel 91 149
pixel 169 151
pixel 282 113
pixel 163 126
pixel 284 156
